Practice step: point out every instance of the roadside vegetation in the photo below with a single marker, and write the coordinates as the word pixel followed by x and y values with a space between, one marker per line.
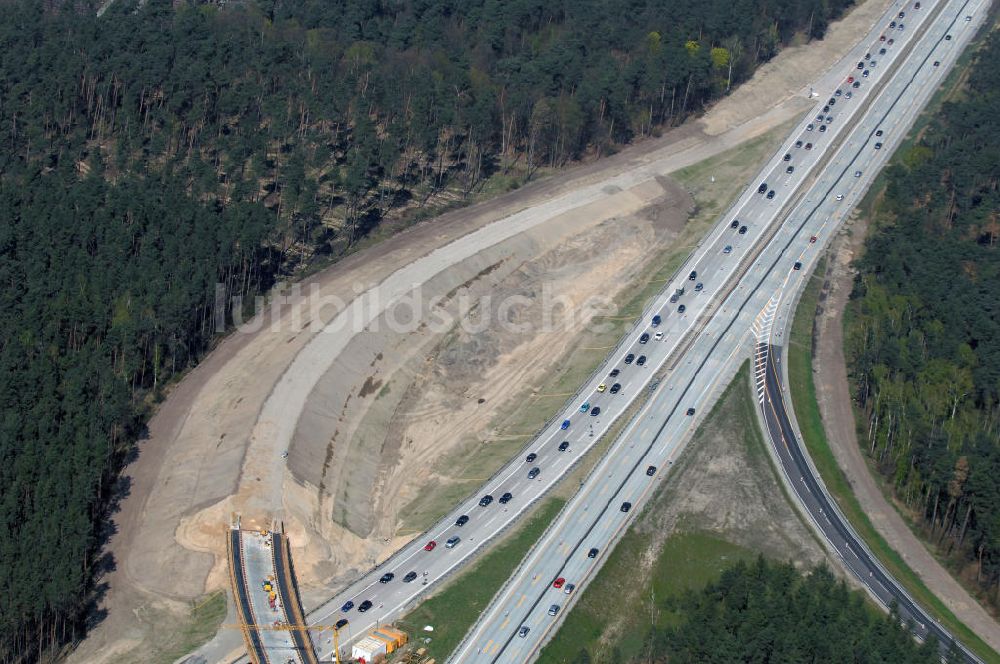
pixel 923 337
pixel 803 391
pixel 168 148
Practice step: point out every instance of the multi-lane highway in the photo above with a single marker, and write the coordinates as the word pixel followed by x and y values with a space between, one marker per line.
pixel 737 273
pixel 891 92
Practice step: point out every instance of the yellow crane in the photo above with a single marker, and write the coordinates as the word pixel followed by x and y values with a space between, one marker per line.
pixel 285 627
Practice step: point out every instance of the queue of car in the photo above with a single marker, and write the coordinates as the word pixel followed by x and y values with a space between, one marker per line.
pixel 613 387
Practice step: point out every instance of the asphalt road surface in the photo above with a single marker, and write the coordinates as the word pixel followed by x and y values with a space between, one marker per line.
pixel 528 609
pixel 742 277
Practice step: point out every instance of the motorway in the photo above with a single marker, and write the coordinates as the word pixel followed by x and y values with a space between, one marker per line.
pixel 526 612
pixel 742 276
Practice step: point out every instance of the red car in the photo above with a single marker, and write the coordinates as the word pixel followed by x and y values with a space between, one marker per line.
pixel 850 79
pixel 882 38
pixel 812 239
pixel 558 583
pixel 430 545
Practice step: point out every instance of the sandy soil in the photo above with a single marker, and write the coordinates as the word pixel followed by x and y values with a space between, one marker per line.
pixel 834 396
pixel 365 413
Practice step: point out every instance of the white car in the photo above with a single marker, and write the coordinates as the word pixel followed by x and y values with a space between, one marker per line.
pixel 658 336
pixel 840 197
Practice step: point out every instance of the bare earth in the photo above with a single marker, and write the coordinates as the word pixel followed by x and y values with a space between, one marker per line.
pixel 834 396
pixel 371 409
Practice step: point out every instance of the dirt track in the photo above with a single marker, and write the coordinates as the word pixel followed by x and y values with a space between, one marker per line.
pixel 215 445
pixel 834 397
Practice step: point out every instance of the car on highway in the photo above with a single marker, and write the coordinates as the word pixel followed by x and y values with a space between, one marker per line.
pixel 881 51
pixel 533 473
pixel 850 79
pixel 651 471
pixel 614 373
pixel 554 609
pixel 690 411
pixel 770 194
pixel 595 411
pixel 727 249
pixel 865 73
pixel 681 309
pixel 570 587
pixel 674 298
pixel 523 632
pixel 410 576
pixel 341 623
pixel 797 266
pixel 849 94
pixel 787 157
pixel 644 338
pixel 564 425
pixel 365 605
pixel 791 169
pixel 657 319
pixel 735 223
pixel 563 446
pixel 452 542
pixel 531 457
pixel 878 146
pixel 809 127
pixel 881 38
pixel 838 92
pixel 387 577
pixel 602 387
pixel 347 607
pixel 798 144
pixel 558 583
pixel 878 132
pixel 485 500
pixel 892 40
pixel 629 358
pixel 763 185
pixel 506 498
pixel 462 520
pixel 873 64
pixel 857 174
pixel 592 553
pixel 693 275
pixel 902 14
pixel 946 38
pixel 641 360
pixel 616 388
pixel 743 229
pixel 822 128
pixel 856 84
pixel 698 287
pixel 430 545
pixel 861 65
pixel 892 24
pixel 585 407
pixel 916 5
pixel 840 197
pixel 658 336
pixel 812 240
pixel 809 146
pixel 937 63
pixel 826 109
pixel 626 506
